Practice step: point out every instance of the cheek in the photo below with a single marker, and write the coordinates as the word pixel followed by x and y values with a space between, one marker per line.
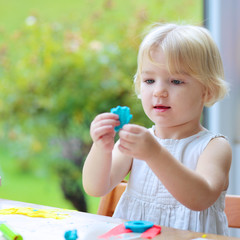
pixel 198 97
pixel 145 96
pixel 145 91
pixel 146 102
pixel 146 105
pixel 195 102
pixel 143 100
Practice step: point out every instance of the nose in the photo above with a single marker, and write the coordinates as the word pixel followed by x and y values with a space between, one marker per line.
pixel 160 91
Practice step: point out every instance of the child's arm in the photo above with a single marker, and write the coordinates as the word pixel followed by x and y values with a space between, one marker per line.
pixel 197 189
pixel 105 165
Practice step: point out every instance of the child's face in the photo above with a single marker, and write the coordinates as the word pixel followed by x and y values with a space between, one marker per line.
pixel 169 100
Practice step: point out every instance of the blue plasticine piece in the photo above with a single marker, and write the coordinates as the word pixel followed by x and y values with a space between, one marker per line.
pixel 71 235
pixel 124 116
pixel 138 226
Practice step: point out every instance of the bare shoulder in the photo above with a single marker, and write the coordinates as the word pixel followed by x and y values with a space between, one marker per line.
pixel 221 145
pixel 218 150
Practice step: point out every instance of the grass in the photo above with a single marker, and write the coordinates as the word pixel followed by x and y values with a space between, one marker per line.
pixel 38 185
pixel 29 186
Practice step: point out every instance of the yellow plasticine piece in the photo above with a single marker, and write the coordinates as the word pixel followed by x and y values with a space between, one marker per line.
pixel 32 212
pixel 204 236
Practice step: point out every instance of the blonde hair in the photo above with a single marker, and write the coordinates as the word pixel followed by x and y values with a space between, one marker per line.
pixel 188 50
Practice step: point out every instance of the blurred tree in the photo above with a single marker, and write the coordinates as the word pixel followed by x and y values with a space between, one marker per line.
pixel 55 78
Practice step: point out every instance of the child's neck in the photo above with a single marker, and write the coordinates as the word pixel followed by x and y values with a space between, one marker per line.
pixel 177 132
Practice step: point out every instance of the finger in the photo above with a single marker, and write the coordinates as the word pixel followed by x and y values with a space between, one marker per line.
pixel 132 128
pixel 125 143
pixel 130 136
pixel 126 136
pixel 103 116
pixel 100 132
pixel 105 122
pixel 107 138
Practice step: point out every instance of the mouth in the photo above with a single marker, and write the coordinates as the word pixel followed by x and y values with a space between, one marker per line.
pixel 161 107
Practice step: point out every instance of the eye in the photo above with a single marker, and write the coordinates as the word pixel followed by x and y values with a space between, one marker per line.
pixel 176 82
pixel 149 81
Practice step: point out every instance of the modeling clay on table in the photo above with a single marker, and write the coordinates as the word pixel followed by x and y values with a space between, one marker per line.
pixel 71 235
pixel 8 233
pixel 124 116
pixel 32 212
pixel 147 229
pixel 138 226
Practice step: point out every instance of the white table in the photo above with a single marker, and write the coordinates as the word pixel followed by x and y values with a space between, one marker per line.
pixel 88 226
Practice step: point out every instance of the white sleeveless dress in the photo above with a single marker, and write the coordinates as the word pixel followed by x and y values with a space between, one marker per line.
pixel 147 199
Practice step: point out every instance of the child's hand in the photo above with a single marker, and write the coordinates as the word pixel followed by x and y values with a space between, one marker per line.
pixel 138 142
pixel 102 130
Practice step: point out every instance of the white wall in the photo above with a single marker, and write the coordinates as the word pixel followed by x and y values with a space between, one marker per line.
pixel 222 18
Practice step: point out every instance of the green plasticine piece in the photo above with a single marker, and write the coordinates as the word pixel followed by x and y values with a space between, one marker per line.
pixel 8 233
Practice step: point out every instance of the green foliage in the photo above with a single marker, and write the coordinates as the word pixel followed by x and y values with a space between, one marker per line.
pixel 67 73
pixel 60 75
pixel 57 74
pixel 106 15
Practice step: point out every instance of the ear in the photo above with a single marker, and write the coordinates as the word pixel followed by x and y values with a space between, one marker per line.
pixel 207 95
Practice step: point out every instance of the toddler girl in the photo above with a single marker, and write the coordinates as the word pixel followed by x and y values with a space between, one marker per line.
pixel 178 169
